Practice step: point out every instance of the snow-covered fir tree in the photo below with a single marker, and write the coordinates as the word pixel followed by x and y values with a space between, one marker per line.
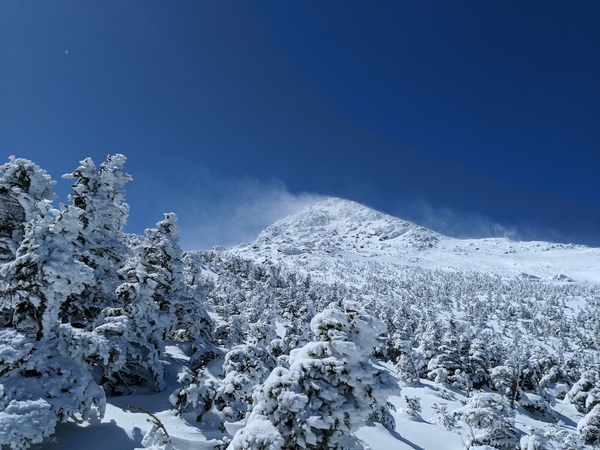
pixel 589 426
pixel 41 384
pixel 332 386
pixel 24 189
pixel 163 258
pixel 488 421
pixel 136 330
pixel 98 203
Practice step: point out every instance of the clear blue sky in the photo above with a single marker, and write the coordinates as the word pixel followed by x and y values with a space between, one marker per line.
pixel 470 117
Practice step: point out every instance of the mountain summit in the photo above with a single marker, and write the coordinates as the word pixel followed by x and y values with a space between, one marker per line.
pixel 348 230
pixel 343 225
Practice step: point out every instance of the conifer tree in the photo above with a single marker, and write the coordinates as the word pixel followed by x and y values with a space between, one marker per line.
pixel 245 367
pixel 488 421
pixel 331 388
pixel 98 203
pixel 585 393
pixel 43 275
pixel 24 189
pixel 136 331
pixel 589 426
pixel 162 256
pixel 41 383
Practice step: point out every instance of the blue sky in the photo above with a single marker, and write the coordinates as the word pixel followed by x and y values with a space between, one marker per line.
pixel 473 118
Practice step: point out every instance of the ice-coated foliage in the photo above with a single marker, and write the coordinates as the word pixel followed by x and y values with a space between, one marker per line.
pixel 24 186
pixel 98 203
pixel 156 439
pixel 136 333
pixel 244 368
pixel 488 421
pixel 585 394
pixel 162 256
pixel 42 276
pixel 39 388
pixel 259 434
pixel 332 386
pixel 195 394
pixel 589 426
pixel 100 195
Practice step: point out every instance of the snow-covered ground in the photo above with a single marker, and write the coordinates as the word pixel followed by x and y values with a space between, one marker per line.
pixel 123 428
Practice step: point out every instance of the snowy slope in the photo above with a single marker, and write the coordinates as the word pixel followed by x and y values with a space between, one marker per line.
pixel 348 230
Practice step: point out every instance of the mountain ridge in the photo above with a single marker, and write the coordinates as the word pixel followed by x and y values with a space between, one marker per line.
pixel 345 229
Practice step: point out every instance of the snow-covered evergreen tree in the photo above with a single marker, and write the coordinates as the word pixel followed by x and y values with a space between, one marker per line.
pixel 43 274
pixel 40 388
pixel 406 368
pixel 24 187
pixel 488 421
pixel 245 367
pixel 41 384
pixel 331 388
pixel 98 203
pixel 589 426
pixel 585 394
pixel 162 256
pixel 136 332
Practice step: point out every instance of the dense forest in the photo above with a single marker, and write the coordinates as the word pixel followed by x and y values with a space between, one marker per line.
pixel 283 353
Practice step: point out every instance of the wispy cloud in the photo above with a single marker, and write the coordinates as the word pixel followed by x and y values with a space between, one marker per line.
pixel 231 212
pixel 469 224
pixel 450 222
pixel 226 211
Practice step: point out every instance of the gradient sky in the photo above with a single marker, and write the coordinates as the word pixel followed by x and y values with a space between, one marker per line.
pixel 472 118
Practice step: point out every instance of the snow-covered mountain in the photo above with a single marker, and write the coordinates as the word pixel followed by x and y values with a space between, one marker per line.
pixel 346 229
pixel 337 225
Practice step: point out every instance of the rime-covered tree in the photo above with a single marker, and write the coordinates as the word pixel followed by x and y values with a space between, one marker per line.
pixel 40 388
pixel 162 256
pixel 98 203
pixel 585 393
pixel 331 388
pixel 43 275
pixel 25 193
pixel 488 421
pixel 41 384
pixel 448 358
pixel 400 350
pixel 136 331
pixel 589 426
pixel 24 187
pixel 244 368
